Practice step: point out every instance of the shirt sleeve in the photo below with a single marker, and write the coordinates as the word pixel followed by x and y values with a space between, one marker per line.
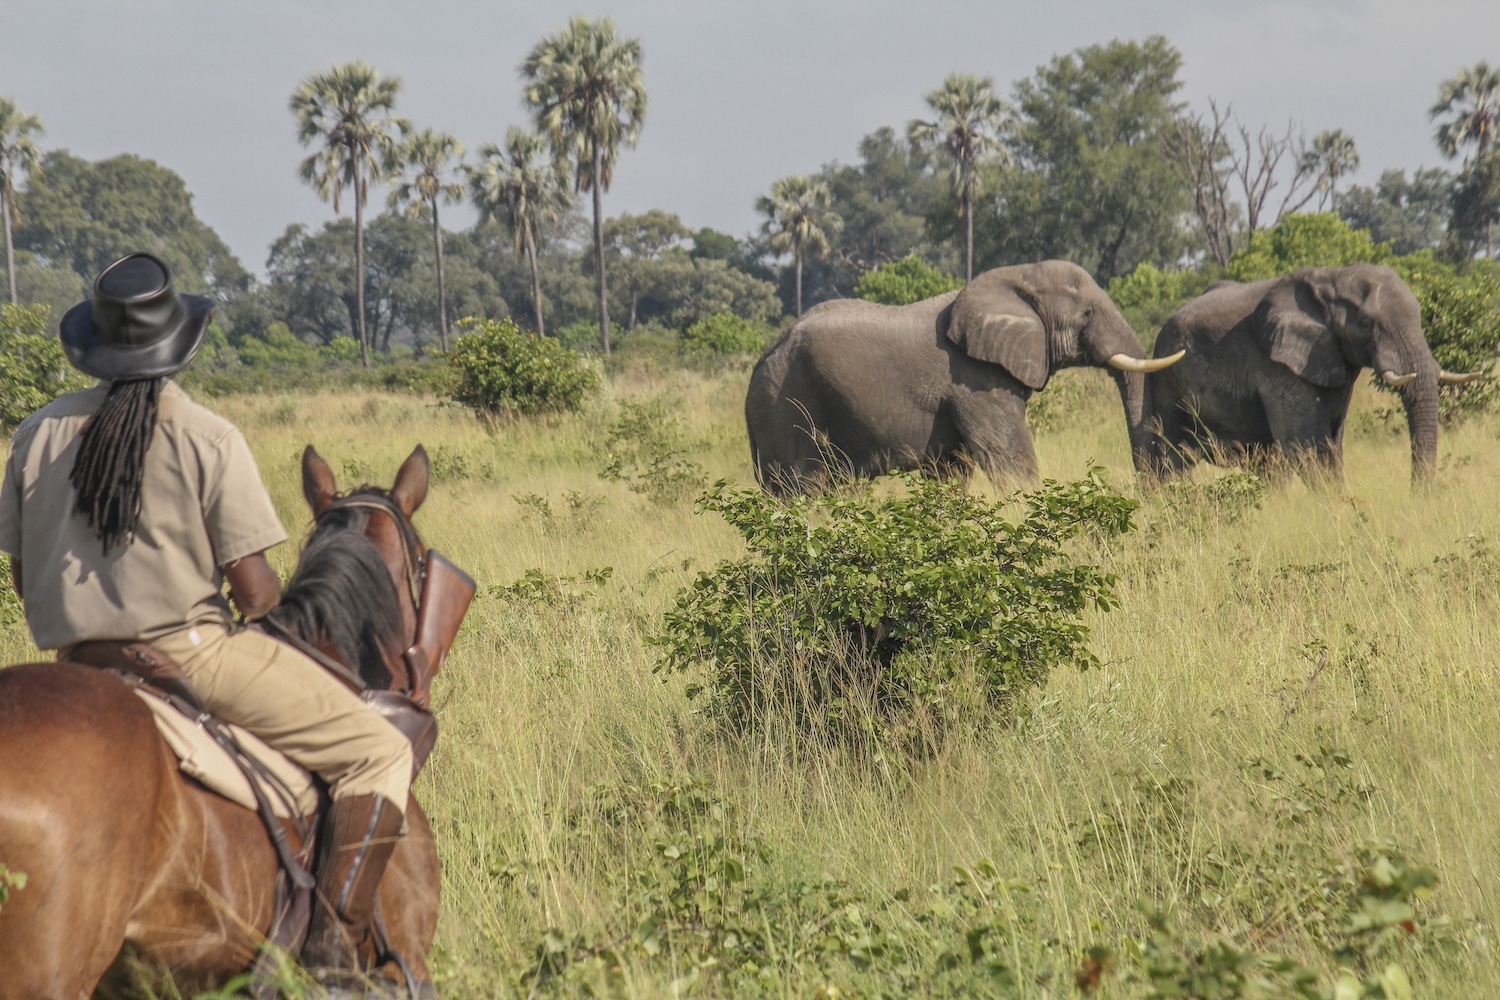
pixel 237 510
pixel 10 509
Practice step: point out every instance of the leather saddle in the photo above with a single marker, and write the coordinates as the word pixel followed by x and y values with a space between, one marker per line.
pixel 142 660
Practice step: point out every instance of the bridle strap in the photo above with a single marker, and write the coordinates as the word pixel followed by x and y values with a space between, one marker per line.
pixel 411 547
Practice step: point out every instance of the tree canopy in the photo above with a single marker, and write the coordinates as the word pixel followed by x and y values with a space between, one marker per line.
pixel 86 215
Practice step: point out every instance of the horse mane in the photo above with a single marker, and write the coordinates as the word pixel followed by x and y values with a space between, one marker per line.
pixel 342 598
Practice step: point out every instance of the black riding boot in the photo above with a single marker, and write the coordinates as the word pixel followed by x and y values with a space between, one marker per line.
pixel 358 835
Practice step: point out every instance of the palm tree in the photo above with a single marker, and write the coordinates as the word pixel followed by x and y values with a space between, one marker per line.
pixel 526 191
pixel 347 112
pixel 1333 154
pixel 18 156
pixel 1472 101
pixel 586 91
pixel 968 118
pixel 429 154
pixel 797 220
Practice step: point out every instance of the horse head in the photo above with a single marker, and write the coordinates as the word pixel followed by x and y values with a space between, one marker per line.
pixel 357 593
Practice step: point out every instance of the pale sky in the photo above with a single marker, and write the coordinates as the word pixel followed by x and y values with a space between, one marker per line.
pixel 741 93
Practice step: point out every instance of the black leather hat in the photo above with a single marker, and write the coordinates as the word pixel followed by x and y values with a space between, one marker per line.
pixel 136 326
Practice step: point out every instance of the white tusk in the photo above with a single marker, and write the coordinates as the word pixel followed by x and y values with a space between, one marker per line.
pixel 1454 378
pixel 1395 381
pixel 1126 363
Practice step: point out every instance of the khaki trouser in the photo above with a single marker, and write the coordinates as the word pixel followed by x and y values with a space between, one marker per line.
pixel 296 706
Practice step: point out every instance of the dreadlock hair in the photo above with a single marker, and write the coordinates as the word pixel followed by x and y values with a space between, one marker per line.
pixel 111 459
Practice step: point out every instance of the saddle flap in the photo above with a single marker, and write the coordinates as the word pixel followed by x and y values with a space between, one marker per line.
pixel 415 723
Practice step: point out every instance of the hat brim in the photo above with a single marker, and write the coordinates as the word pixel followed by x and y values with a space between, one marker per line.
pixel 168 355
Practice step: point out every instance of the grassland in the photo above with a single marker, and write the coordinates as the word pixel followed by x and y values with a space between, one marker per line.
pixel 1281 686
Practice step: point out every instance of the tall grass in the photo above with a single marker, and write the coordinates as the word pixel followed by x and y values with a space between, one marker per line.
pixel 1354 625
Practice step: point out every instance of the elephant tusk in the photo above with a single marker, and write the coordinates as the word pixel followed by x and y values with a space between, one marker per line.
pixel 1455 378
pixel 1395 381
pixel 1126 363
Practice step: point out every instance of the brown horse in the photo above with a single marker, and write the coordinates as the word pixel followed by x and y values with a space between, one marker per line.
pixel 130 864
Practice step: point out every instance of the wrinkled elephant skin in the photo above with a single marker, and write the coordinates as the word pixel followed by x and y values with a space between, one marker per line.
pixel 862 389
pixel 1271 366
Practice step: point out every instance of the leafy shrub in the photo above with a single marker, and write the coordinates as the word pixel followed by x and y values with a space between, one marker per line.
pixel 1317 240
pixel 1148 296
pixel 645 451
pixel 538 589
pixel 725 333
pixel 908 280
pixel 33 368
pixel 695 901
pixel 498 369
pixel 859 613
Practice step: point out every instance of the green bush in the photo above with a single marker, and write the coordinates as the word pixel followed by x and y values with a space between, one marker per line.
pixel 726 333
pixel 498 369
pixel 860 613
pixel 33 368
pixel 906 281
pixel 1297 241
pixel 1461 321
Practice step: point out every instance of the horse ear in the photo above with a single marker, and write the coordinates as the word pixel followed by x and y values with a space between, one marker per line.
pixel 992 322
pixel 1294 332
pixel 317 481
pixel 411 481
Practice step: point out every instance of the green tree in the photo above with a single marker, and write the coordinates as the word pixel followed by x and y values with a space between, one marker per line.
pixel 1469 103
pixel 428 156
pixel 19 132
pixel 346 112
pixel 884 201
pixel 85 215
pixel 524 192
pixel 1409 213
pixel 634 242
pixel 798 221
pixel 1091 183
pixel 906 281
pixel 968 118
pixel 1333 154
pixel 1469 108
pixel 588 95
pixel 1311 240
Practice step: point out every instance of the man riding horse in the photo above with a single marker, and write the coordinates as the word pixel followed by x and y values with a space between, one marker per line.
pixel 125 508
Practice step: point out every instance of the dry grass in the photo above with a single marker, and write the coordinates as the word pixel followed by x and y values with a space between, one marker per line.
pixel 1119 785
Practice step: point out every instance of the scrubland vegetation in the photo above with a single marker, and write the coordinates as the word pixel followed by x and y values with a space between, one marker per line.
pixel 1292 708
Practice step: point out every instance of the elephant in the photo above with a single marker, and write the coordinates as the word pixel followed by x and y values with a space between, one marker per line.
pixel 859 388
pixel 1271 366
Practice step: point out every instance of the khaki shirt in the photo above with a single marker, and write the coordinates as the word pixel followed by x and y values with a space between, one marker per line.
pixel 203 506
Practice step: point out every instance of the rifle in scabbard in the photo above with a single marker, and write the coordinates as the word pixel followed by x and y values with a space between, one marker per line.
pixel 446 594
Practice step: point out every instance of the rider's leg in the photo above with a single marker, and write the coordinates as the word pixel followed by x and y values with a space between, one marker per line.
pixel 300 709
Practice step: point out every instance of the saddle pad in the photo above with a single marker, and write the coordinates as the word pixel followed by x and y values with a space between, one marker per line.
pixel 201 758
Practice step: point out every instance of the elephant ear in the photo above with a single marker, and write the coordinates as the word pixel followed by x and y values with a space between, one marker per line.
pixel 992 322
pixel 1294 332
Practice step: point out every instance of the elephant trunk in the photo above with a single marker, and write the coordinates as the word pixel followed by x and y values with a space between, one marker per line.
pixel 1406 356
pixel 1132 386
pixel 1420 397
pixel 1113 345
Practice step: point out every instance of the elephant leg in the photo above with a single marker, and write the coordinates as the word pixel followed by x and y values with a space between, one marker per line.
pixel 993 427
pixel 1303 432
